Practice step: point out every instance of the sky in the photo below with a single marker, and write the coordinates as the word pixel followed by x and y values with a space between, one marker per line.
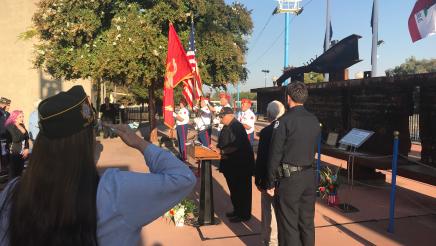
pixel 266 49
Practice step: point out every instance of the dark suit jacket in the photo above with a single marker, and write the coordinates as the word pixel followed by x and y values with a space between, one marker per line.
pixel 265 136
pixel 236 152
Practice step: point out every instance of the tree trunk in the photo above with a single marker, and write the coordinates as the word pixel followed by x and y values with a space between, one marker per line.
pixel 152 114
pixel 97 107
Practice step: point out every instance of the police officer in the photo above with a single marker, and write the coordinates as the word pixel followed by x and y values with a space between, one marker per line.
pixel 247 119
pixel 290 174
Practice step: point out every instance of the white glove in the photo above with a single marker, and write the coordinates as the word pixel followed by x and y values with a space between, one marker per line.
pixel 174 115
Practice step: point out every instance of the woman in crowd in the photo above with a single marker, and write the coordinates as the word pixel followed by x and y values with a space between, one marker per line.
pixel 18 137
pixel 61 199
pixel 274 111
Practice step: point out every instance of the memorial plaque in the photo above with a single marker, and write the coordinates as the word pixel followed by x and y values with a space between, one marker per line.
pixel 332 139
pixel 356 137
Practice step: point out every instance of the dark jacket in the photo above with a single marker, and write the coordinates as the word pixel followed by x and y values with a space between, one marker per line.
pixel 19 141
pixel 3 117
pixel 108 112
pixel 293 141
pixel 236 152
pixel 265 136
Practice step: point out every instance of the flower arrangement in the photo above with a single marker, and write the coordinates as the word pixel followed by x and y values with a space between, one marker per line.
pixel 181 213
pixel 328 185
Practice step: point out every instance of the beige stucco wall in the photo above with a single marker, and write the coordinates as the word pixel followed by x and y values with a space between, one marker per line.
pixel 19 81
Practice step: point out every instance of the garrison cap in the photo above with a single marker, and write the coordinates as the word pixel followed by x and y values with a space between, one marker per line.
pixel 225 110
pixel 65 113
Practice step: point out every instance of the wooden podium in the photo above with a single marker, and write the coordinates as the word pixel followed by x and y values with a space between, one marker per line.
pixel 205 156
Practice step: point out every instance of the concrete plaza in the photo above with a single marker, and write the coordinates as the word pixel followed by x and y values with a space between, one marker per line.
pixel 414 224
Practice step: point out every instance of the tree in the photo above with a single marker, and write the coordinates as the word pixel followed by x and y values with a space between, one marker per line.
pixel 124 42
pixel 245 94
pixel 413 66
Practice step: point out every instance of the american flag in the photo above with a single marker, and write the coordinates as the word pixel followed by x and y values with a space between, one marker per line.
pixel 192 87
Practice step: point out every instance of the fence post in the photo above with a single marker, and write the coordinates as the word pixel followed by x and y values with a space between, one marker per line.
pixel 318 161
pixel 393 183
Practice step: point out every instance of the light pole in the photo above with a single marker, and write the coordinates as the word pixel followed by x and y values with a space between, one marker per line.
pixel 288 7
pixel 265 71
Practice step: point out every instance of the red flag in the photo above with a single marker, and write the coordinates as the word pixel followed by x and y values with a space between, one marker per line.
pixel 178 69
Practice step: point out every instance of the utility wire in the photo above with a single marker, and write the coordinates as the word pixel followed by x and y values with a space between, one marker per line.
pixel 272 45
pixel 261 32
pixel 275 41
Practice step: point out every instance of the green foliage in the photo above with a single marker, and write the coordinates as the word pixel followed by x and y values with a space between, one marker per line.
pixel 313 77
pixel 413 66
pixel 245 94
pixel 125 42
pixel 139 92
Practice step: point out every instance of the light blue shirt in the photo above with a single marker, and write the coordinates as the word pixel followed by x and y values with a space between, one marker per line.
pixel 33 124
pixel 127 201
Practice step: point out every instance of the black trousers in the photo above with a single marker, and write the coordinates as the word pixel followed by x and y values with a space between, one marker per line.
pixel 295 209
pixel 240 193
pixel 16 165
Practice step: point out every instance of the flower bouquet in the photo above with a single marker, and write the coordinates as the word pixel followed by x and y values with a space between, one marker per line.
pixel 182 212
pixel 328 186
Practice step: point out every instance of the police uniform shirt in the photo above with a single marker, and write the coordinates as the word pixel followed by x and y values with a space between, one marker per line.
pixel 184 113
pixel 247 117
pixel 293 141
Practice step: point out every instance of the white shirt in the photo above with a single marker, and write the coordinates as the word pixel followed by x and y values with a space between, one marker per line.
pixel 203 121
pixel 247 117
pixel 184 113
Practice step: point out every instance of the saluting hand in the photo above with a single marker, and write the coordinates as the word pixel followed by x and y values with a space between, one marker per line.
pixel 128 136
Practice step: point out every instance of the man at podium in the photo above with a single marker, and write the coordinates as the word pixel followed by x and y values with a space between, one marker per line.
pixel 237 164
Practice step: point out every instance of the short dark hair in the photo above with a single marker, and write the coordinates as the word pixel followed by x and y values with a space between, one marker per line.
pixel 297 91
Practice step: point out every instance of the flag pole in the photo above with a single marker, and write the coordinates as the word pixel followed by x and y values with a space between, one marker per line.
pixel 327 34
pixel 374 24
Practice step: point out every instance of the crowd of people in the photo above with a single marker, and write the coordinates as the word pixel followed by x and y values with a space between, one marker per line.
pixel 283 168
pixel 62 188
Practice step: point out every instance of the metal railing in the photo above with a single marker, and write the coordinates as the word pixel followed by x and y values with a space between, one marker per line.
pixel 414 128
pixel 131 114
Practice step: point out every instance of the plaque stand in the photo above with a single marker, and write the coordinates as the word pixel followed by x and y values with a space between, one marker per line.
pixel 354 138
pixel 206 215
pixel 347 207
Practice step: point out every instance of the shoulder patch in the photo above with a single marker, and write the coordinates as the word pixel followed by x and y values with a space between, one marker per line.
pixel 276 124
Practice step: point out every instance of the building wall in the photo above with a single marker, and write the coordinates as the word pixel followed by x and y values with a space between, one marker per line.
pixel 19 81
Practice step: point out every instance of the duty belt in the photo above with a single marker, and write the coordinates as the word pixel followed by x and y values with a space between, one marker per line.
pixel 285 170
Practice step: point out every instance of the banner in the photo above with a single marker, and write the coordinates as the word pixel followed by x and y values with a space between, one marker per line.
pixel 422 20
pixel 177 70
